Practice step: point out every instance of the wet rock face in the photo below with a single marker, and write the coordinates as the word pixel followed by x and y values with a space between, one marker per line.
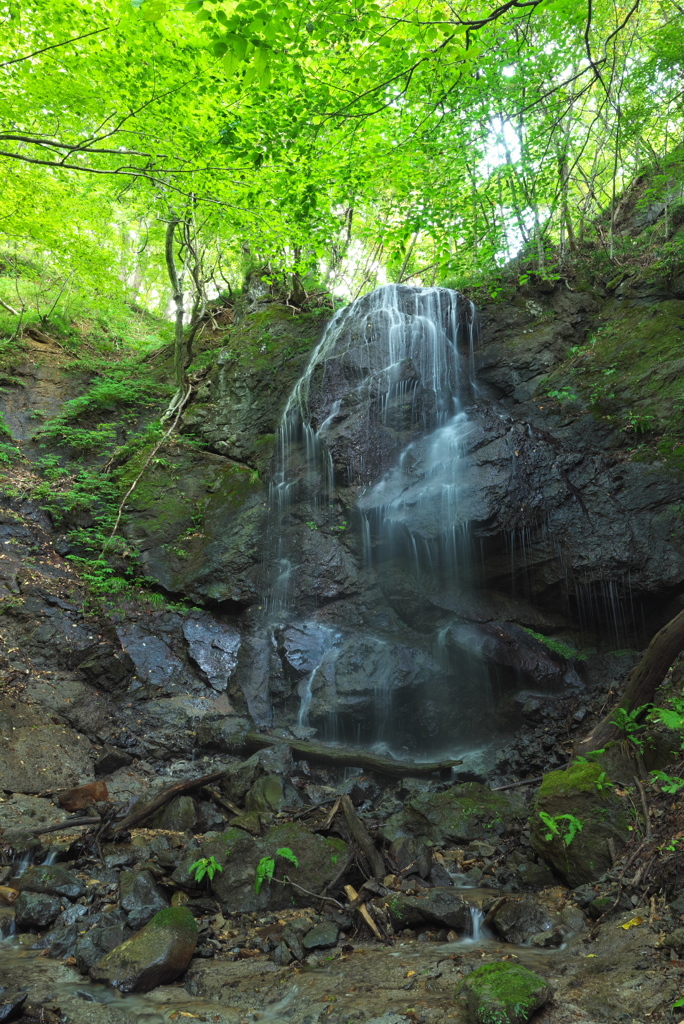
pixel 36 755
pixel 154 956
pixel 35 911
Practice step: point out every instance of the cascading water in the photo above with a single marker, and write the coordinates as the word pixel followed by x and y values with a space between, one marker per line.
pixel 380 414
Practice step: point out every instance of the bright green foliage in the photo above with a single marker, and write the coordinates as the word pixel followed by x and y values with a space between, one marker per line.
pixel 558 646
pixel 564 826
pixel 208 866
pixel 668 783
pixel 628 722
pixel 266 867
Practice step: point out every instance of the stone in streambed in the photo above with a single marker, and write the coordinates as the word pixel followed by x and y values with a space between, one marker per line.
pixel 438 906
pixel 323 936
pixel 140 897
pixel 523 919
pixel 504 993
pixel 53 879
pixel 583 791
pixel 34 911
pixel 11 1006
pixel 100 940
pixel 156 955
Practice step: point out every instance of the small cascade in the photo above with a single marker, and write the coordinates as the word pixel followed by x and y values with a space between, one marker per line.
pixel 477 917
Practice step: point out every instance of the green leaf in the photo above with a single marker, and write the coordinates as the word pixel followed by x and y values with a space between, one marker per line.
pixel 153 10
pixel 264 871
pixel 193 5
pixel 287 853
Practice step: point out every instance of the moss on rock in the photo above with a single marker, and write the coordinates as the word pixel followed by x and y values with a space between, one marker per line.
pixel 584 791
pixel 503 993
pixel 156 955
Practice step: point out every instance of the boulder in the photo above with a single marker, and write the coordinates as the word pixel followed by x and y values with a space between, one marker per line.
pixel 523 920
pixel 458 814
pixel 503 993
pixel 11 1004
pixel 34 911
pixel 111 759
pixel 54 879
pixel 239 854
pixel 156 955
pixel 440 906
pixel 99 940
pixel 140 897
pixel 179 815
pixel 265 795
pixel 585 792
pixel 323 936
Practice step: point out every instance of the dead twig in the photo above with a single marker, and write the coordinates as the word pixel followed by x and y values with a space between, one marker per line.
pixel 644 805
pixel 362 909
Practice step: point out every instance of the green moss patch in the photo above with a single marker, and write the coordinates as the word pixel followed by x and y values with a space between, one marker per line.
pixel 503 993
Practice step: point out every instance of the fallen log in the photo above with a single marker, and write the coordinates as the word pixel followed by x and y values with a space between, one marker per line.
pixel 362 836
pixel 346 757
pixel 139 814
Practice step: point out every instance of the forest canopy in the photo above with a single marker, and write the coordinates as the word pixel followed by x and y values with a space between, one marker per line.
pixel 346 143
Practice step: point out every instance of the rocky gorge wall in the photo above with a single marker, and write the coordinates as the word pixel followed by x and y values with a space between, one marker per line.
pixel 575 531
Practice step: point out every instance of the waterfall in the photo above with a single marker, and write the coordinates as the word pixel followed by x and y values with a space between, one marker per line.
pixel 379 416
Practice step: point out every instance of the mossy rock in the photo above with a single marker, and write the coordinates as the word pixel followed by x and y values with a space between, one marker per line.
pixel 583 790
pixel 318 862
pixel 458 814
pixel 156 955
pixel 197 519
pixel 503 993
pixel 265 795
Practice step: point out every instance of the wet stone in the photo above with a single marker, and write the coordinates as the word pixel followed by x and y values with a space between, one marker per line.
pixel 140 897
pixel 53 879
pixel 36 910
pixel 503 992
pixel 323 936
pixel 11 1005
pixel 111 759
pixel 156 955
pixel 100 940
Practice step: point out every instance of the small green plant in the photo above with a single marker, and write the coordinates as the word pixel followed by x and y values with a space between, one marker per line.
pixel 311 525
pixel 208 866
pixel 558 646
pixel 590 757
pixel 668 783
pixel 603 783
pixel 266 867
pixel 628 722
pixel 561 826
pixel 563 395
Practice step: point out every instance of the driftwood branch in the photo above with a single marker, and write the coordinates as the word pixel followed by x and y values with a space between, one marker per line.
pixel 139 814
pixel 353 897
pixel 362 837
pixel 341 756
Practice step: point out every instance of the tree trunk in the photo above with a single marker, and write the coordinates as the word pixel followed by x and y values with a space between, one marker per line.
pixel 179 353
pixel 644 680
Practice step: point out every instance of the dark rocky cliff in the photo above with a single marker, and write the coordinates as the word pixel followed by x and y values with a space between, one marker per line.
pixel 573 496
